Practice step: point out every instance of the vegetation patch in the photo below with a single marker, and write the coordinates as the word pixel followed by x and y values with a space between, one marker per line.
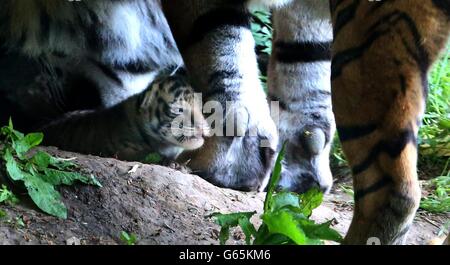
pixel 285 221
pixel 40 173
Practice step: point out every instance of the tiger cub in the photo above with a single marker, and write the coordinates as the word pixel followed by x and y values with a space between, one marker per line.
pixel 166 118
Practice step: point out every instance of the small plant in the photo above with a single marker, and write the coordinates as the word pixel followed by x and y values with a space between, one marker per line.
pixel 439 200
pixel 40 173
pixel 285 219
pixel 128 239
pixel 435 132
pixel 6 196
pixel 262 30
pixel 153 158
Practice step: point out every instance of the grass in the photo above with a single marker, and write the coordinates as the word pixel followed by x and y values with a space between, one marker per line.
pixel 434 137
pixel 434 140
pixel 437 201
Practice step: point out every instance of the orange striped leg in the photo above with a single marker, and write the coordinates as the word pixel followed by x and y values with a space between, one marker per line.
pixel 382 52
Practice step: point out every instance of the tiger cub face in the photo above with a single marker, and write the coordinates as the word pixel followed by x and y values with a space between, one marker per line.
pixel 174 113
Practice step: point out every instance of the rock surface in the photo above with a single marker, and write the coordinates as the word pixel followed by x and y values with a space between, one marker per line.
pixel 159 205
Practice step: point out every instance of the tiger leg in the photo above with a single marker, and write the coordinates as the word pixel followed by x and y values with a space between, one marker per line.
pixel 382 52
pixel 217 45
pixel 299 79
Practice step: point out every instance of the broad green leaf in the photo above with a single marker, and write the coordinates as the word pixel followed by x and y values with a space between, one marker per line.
pixel 319 231
pixel 45 196
pixel 310 201
pixel 12 166
pixel 23 145
pixel 41 160
pixel 264 237
pixel 40 173
pixel 58 177
pixel 284 222
pixel 284 199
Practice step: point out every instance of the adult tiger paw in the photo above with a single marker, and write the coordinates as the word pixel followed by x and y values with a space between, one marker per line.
pixel 242 151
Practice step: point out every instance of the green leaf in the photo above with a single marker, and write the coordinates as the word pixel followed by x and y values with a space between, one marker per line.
pixel 224 234
pixel 226 221
pixel 58 177
pixel 275 178
pixel 23 145
pixel 62 164
pixel 319 231
pixel 310 201
pixel 445 123
pixel 45 196
pixel 9 132
pixel 41 160
pixel 153 158
pixel 19 222
pixel 3 214
pixel 128 239
pixel 231 219
pixel 7 196
pixel 41 173
pixel 284 199
pixel 284 222
pixel 12 166
pixel 248 229
pixel 264 237
pixel 276 239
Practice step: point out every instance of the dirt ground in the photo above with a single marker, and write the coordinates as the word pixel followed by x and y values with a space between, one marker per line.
pixel 160 206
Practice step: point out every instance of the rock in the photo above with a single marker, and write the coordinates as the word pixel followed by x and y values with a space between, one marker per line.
pixel 73 241
pixel 158 204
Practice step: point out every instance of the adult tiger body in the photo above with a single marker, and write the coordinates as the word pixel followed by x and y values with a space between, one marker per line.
pixel 380 54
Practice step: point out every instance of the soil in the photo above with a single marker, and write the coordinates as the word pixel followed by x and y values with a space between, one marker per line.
pixel 160 205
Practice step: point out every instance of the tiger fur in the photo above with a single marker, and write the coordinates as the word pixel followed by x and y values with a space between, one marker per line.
pixel 376 53
pixel 142 124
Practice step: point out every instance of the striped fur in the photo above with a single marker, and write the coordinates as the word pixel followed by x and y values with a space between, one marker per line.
pixel 376 53
pixel 299 74
pixel 215 40
pixel 143 124
pixel 382 52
